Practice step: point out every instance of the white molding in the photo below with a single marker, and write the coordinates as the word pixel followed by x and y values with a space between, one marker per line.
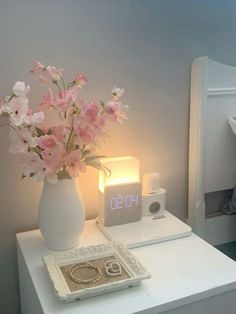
pixel 196 203
pixel 221 91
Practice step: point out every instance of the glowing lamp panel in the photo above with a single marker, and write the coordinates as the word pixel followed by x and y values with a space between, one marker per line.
pixel 122 170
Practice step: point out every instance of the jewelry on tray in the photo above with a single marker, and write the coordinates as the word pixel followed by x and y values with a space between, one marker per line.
pixel 73 268
pixel 112 267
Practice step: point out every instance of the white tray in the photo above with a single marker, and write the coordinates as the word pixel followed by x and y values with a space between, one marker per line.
pixel 53 262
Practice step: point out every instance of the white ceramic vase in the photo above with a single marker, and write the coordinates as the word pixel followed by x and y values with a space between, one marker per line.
pixel 61 214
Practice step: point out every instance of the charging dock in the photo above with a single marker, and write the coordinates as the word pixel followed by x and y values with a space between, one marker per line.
pixel 147 231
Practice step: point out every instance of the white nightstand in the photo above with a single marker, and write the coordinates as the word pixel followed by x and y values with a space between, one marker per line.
pixel 189 276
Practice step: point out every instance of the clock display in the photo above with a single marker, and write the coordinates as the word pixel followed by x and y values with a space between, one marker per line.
pixel 124 201
pixel 120 204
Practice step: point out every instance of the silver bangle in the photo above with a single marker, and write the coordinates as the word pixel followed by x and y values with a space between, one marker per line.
pixel 113 267
pixel 88 265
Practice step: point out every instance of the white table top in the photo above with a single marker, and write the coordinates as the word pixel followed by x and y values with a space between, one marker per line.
pixel 183 271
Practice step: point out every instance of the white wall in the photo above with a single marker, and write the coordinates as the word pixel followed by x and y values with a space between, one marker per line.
pixel 145 46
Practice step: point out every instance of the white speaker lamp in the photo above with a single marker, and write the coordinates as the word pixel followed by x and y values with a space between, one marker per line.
pixel 153 196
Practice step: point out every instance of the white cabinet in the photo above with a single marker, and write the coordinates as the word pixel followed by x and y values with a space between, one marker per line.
pixel 189 276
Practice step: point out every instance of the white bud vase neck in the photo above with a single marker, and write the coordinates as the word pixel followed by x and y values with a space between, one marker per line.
pixel 61 214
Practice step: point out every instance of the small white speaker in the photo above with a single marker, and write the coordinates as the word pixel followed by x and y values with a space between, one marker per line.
pixel 153 197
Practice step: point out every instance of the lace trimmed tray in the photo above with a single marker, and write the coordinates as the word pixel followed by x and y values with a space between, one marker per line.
pixel 132 272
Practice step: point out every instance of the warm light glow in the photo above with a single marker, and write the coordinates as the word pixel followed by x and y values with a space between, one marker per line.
pixel 123 170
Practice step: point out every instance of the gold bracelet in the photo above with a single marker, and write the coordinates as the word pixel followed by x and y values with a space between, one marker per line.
pixel 88 265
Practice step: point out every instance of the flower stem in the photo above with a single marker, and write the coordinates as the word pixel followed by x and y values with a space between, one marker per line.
pixel 63 82
pixel 58 86
pixel 69 138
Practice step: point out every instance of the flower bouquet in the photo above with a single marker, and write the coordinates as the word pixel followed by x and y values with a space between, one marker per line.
pixel 58 153
pixel 64 150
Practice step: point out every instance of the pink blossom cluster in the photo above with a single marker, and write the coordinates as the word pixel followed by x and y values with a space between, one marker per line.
pixel 64 150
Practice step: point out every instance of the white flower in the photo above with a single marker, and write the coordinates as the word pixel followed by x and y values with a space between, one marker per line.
pixel 4 109
pixel 35 118
pixel 31 163
pixel 18 110
pixel 20 140
pixel 20 89
pixel 45 172
pixel 35 166
pixel 54 73
pixel 117 92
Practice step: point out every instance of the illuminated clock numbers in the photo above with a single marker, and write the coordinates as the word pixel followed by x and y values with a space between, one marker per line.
pixel 124 201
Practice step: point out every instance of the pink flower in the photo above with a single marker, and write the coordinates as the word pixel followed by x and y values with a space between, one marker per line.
pixel 47 75
pixel 45 78
pixel 47 101
pixel 46 141
pixel 80 79
pixel 18 110
pixel 63 100
pixel 20 89
pixel 50 75
pixel 20 141
pixel 92 116
pixel 61 133
pixel 114 111
pixel 85 133
pixel 100 122
pixel 37 68
pixel 91 111
pixel 53 158
pixel 74 164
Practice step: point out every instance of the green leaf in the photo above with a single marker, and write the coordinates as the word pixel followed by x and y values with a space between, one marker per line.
pixel 85 152
pixel 63 174
pixel 94 157
pixel 98 165
pixel 102 103
pixel 39 131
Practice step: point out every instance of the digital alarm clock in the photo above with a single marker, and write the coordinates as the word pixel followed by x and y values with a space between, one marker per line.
pixel 120 194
